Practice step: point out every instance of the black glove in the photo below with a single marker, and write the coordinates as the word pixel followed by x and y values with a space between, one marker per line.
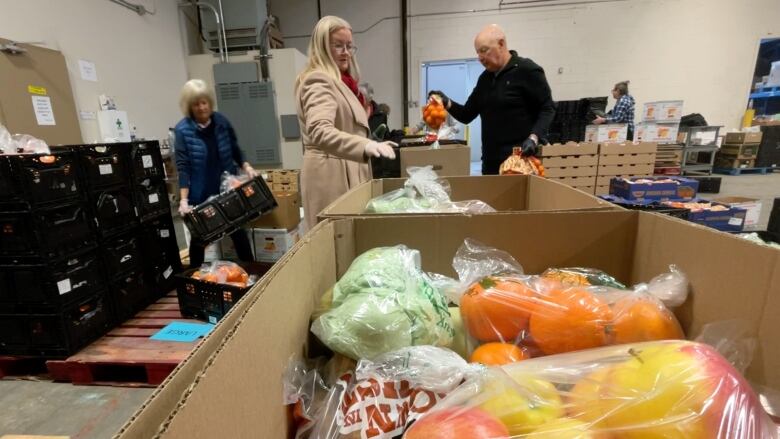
pixel 530 147
pixel 379 133
pixel 444 99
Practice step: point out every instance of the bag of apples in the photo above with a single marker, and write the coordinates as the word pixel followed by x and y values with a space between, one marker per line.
pixel 662 389
pixel 510 316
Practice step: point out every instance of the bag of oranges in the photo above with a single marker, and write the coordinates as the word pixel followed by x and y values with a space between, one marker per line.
pixel 510 316
pixel 224 272
pixel 518 164
pixel 434 114
pixel 660 389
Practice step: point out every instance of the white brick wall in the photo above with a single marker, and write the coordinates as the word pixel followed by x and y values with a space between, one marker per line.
pixel 701 51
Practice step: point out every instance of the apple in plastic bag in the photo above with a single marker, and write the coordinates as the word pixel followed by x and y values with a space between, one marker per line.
pixel 457 423
pixel 671 390
pixel 521 401
pixel 565 428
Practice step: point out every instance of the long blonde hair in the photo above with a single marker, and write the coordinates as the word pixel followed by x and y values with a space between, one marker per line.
pixel 320 58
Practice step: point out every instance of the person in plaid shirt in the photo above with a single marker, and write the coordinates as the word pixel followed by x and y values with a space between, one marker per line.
pixel 623 111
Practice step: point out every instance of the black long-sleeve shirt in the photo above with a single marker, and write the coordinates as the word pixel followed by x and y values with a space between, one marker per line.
pixel 513 103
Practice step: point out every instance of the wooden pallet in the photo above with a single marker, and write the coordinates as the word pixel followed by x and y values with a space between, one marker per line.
pixel 21 366
pixel 740 171
pixel 126 356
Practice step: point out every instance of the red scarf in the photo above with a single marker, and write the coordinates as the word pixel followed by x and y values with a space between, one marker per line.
pixel 350 82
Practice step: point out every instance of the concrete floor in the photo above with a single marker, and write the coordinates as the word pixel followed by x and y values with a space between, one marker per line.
pixel 34 407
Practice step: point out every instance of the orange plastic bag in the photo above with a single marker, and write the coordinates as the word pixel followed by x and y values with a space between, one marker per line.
pixel 517 164
pixel 223 272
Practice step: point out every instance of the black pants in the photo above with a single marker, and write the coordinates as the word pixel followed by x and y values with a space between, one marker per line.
pixel 490 166
pixel 240 240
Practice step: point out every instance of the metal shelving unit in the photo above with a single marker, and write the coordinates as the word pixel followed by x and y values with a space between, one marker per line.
pixel 698 145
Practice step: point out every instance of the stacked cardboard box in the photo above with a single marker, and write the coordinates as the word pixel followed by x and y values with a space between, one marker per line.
pixel 275 233
pixel 660 122
pixel 574 164
pixel 739 150
pixel 668 159
pixel 624 160
pixel 610 133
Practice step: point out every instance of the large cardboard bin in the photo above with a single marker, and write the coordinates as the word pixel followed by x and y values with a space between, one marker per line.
pixel 231 385
pixel 505 193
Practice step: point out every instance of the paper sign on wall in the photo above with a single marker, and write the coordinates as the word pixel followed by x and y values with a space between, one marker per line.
pixel 87 115
pixel 43 111
pixel 88 71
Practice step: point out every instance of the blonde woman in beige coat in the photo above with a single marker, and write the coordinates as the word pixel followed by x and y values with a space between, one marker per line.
pixel 333 119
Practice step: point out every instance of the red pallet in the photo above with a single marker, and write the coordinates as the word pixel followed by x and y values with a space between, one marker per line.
pixel 21 366
pixel 126 356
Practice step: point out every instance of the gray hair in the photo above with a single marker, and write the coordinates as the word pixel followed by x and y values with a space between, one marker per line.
pixel 193 90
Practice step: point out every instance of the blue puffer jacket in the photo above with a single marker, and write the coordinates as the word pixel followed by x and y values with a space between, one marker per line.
pixel 191 152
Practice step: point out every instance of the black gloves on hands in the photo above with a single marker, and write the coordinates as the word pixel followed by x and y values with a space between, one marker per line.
pixel 444 99
pixel 530 147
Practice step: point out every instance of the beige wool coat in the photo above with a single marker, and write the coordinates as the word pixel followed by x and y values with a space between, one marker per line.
pixel 334 130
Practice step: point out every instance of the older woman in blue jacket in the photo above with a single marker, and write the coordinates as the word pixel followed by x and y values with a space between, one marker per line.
pixel 206 146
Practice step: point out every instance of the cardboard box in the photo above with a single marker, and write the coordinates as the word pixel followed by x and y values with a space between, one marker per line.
pixel 629 189
pixel 730 220
pixel 751 205
pixel 628 148
pixel 729 162
pixel 505 193
pixel 576 181
pixel 286 215
pixel 743 137
pixel 657 132
pixel 601 190
pixel 662 111
pixel 569 161
pixel 627 159
pixel 230 385
pixel 572 171
pixel 286 176
pixel 742 151
pixel 610 133
pixel 447 160
pixel 628 169
pixel 568 149
pixel 271 244
pixel 285 187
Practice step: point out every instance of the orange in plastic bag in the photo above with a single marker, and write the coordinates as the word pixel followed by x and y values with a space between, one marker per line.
pixel 434 114
pixel 517 164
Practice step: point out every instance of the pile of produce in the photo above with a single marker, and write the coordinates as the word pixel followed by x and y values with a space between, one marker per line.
pixel 694 206
pixel 223 272
pixel 424 192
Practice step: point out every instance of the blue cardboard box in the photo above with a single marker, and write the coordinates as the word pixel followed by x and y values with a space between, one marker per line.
pixel 628 189
pixel 730 220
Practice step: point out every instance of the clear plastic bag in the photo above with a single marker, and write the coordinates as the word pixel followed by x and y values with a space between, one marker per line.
pixel 665 389
pixel 424 192
pixel 21 143
pixel 224 272
pixel 510 317
pixel 230 181
pixel 379 399
pixel 384 302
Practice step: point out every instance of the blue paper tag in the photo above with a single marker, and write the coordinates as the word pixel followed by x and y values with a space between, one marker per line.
pixel 182 331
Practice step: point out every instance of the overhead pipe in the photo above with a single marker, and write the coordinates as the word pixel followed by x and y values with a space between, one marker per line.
pixel 216 17
pixel 405 60
pixel 224 35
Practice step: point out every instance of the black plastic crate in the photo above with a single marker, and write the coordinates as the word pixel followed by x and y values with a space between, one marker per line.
pixel 50 285
pixel 48 232
pixel 207 301
pixel 41 179
pixel 707 185
pixel 206 222
pixel 151 198
pixel 657 208
pixel 257 196
pixel 9 186
pixel 160 254
pixel 56 334
pixel 147 161
pixel 232 206
pixel 105 165
pixel 122 254
pixel 130 293
pixel 114 211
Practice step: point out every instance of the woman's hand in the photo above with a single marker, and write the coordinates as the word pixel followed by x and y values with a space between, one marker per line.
pixel 184 207
pixel 380 149
pixel 599 120
pixel 250 171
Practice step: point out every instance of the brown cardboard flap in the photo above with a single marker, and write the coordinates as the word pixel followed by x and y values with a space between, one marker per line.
pixel 37 72
pixel 286 215
pixel 627 159
pixel 628 148
pixel 565 161
pixel 569 148
pixel 447 160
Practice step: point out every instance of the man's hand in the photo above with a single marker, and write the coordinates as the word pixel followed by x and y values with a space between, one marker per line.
pixel 444 99
pixel 530 146
pixel 599 120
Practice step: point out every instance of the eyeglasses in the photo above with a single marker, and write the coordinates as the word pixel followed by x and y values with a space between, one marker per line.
pixel 341 48
pixel 483 50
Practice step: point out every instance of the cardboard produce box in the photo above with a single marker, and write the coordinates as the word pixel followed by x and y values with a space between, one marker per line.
pixel 609 133
pixel 447 160
pixel 741 151
pixel 571 171
pixel 627 169
pixel 730 162
pixel 505 193
pixel 662 111
pixel 231 384
pixel 632 189
pixel 271 244
pixel 568 149
pixel 739 138
pixel 657 132
pixel 286 215
pixel 751 205
pixel 601 190
pixel 576 181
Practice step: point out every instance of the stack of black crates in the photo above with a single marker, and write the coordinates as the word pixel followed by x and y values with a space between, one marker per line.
pixel 86 241
pixel 571 118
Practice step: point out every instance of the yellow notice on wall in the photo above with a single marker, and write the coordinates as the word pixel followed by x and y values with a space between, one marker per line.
pixel 36 90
